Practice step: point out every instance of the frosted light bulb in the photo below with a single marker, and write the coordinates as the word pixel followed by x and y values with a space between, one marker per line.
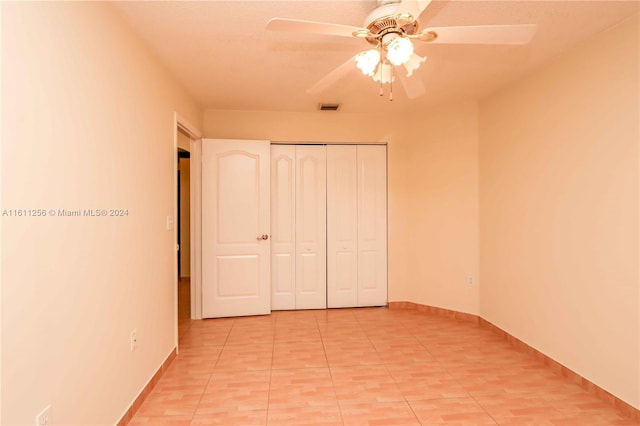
pixel 399 50
pixel 368 61
pixel 413 63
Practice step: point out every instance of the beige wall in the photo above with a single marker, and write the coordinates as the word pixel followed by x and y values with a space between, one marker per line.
pixel 87 123
pixel 559 181
pixel 432 180
pixel 443 208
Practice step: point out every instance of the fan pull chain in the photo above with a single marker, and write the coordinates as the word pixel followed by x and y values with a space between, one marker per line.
pixel 391 84
pixel 381 68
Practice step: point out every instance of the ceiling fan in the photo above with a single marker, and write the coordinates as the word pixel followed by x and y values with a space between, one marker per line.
pixel 391 29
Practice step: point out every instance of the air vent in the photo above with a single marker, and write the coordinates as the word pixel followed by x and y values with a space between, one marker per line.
pixel 329 107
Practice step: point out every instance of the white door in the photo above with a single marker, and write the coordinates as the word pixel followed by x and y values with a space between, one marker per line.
pixel 342 226
pixel 311 266
pixel 283 227
pixel 372 225
pixel 235 228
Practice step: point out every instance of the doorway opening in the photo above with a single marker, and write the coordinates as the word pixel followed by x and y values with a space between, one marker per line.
pixel 183 231
pixel 186 195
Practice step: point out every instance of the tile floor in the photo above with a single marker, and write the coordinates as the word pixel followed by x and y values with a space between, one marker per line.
pixel 368 366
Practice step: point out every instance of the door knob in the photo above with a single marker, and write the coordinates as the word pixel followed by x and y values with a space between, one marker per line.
pixel 263 237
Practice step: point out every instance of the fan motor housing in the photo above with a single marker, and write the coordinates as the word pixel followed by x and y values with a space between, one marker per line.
pixel 383 20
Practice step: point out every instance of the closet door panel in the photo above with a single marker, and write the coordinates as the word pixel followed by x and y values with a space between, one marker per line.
pixel 342 226
pixel 372 225
pixel 310 224
pixel 283 219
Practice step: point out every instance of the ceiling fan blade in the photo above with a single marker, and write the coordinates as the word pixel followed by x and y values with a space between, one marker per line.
pixel 480 34
pixel 331 78
pixel 413 87
pixel 296 26
pixel 412 7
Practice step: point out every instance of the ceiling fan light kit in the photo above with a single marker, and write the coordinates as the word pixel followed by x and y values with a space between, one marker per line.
pixel 388 29
pixel 391 27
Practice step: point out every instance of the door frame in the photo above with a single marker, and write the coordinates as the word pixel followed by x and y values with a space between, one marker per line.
pixel 195 135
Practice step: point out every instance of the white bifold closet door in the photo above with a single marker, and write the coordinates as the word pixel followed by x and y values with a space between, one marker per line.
pixel 356 225
pixel 298 227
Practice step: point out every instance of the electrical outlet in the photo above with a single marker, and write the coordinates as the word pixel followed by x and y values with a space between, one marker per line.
pixel 44 418
pixel 470 280
pixel 134 340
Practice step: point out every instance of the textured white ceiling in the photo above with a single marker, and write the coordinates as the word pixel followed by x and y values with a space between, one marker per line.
pixel 224 57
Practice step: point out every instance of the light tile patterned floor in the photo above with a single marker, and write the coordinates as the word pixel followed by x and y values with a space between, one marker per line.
pixel 370 366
